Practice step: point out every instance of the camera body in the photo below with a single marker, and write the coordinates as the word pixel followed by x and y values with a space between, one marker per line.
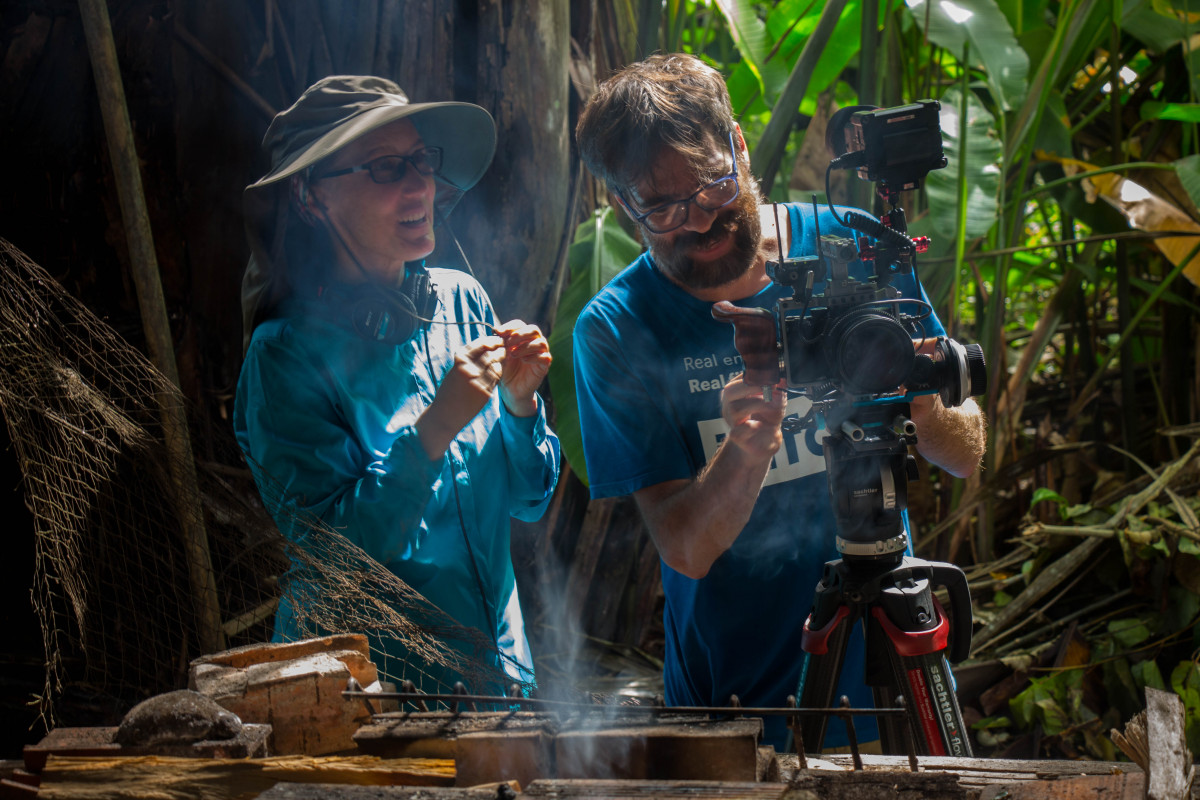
pixel 855 338
pixel 852 343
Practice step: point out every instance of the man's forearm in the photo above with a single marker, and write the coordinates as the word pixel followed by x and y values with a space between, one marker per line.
pixel 952 438
pixel 694 522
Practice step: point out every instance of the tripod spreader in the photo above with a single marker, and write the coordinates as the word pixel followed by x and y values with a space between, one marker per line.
pixel 900 598
pixel 908 635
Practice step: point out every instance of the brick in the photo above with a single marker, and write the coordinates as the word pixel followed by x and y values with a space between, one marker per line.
pixel 296 688
pixel 709 750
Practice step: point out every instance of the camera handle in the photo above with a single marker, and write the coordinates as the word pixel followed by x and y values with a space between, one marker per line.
pixel 755 340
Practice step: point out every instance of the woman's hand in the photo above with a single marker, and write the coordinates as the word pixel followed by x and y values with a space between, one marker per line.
pixel 526 363
pixel 463 393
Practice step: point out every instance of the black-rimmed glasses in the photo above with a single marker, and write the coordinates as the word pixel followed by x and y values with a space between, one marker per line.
pixel 710 197
pixel 389 169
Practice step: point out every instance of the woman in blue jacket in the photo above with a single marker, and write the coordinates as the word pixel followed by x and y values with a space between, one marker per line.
pixel 380 394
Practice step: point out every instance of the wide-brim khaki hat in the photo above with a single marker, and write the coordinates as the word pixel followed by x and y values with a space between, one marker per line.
pixel 331 114
pixel 335 111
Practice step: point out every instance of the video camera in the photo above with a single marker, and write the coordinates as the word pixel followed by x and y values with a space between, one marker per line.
pixel 850 346
pixel 852 342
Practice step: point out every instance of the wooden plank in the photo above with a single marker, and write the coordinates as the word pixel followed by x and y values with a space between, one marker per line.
pixel 251 742
pixel 334 791
pixel 524 746
pixel 1034 769
pixel 1170 770
pixel 168 778
pixel 661 790
pixel 874 785
pixel 712 750
pixel 23 777
pixel 13 790
pixel 434 734
pixel 973 773
pixel 1092 787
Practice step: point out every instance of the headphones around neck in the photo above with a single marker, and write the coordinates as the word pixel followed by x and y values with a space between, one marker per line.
pixel 381 313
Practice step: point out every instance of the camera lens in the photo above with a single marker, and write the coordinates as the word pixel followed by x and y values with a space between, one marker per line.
pixel 870 352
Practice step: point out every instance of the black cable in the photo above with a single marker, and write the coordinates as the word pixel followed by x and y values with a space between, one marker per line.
pixel 445 223
pixel 829 197
pixel 488 610
pixel 875 228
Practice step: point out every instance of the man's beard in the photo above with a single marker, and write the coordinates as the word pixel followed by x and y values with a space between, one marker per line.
pixel 741 220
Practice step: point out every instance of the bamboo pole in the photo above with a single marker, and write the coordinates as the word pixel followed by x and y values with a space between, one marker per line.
pixel 103 52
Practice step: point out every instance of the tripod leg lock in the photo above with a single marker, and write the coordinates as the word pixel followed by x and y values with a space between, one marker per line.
pixel 816 641
pixel 914 643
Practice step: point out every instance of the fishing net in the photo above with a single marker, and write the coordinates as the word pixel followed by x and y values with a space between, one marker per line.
pixel 143 562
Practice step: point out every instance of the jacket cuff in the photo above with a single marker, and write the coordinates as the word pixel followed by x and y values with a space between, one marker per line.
pixel 407 455
pixel 525 429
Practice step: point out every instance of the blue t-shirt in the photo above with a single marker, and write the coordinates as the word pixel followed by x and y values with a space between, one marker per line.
pixel 650 362
pixel 327 417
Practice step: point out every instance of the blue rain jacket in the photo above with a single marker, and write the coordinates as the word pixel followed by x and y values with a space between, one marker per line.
pixel 328 417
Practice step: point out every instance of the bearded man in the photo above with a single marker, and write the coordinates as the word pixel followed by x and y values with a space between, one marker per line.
pixel 739 511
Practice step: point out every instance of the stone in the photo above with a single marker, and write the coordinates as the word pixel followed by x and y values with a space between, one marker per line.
pixel 177 717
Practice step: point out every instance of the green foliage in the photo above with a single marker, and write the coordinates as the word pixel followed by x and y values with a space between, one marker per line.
pixel 1188 170
pixel 978 28
pixel 598 252
pixel 1181 112
pixel 1055 702
pixel 1185 682
pixel 980 148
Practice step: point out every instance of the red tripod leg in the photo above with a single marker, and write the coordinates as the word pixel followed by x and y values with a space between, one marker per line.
pixel 922 675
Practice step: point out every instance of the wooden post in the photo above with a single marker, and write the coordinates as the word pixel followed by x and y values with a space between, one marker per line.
pixel 119 132
pixel 1170 771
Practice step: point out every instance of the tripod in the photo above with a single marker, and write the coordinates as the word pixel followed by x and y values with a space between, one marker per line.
pixel 907 631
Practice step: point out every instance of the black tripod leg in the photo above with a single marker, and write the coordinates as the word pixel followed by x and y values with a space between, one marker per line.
pixel 824 651
pixel 885 689
pixel 932 706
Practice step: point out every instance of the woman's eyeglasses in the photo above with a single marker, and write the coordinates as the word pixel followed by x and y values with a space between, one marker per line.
pixel 389 169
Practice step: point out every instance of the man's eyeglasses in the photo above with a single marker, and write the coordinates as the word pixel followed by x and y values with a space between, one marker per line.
pixel 710 197
pixel 389 169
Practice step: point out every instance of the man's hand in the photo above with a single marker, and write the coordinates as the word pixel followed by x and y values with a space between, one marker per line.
pixel 526 363
pixel 693 522
pixel 952 438
pixel 463 393
pixel 754 421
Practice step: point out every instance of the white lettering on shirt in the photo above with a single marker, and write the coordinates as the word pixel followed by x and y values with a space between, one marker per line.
pixel 800 456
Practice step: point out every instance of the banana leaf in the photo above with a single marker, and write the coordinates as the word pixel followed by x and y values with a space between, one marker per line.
pixel 598 252
pixel 839 48
pixel 754 43
pixel 982 151
pixel 993 45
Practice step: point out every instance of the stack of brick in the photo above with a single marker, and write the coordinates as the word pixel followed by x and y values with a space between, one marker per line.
pixel 295 687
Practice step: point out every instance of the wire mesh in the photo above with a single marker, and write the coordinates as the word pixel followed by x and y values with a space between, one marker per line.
pixel 112 590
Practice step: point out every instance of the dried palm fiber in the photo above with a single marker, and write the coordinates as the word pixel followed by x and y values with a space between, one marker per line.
pixel 111 582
